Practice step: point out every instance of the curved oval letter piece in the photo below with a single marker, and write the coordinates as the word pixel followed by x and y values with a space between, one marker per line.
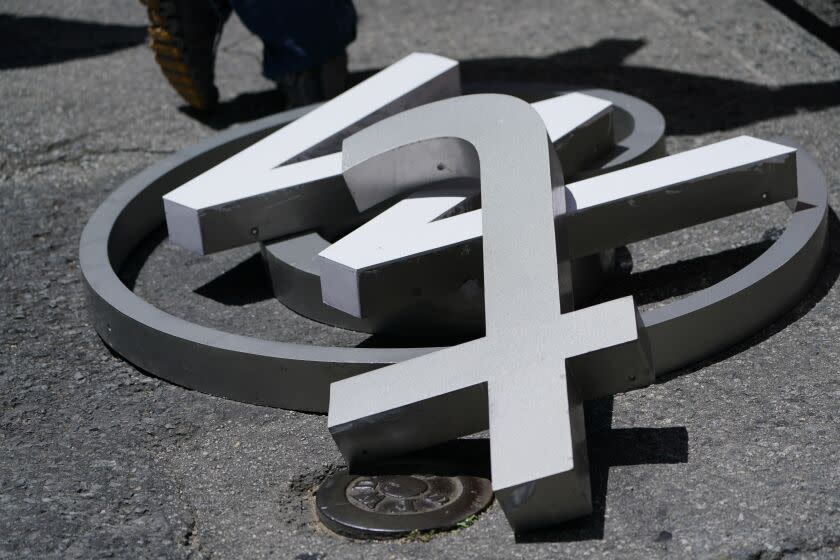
pixel 514 379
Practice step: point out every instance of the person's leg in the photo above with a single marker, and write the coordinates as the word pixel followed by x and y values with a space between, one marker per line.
pixel 304 43
pixel 298 34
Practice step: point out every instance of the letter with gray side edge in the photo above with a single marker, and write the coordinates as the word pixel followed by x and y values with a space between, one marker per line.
pixel 514 379
pixel 248 198
pixel 416 225
pixel 409 249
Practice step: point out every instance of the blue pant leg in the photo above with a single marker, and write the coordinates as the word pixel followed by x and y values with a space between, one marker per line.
pixel 298 35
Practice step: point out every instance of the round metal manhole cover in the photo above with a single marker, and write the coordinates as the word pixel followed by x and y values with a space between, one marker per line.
pixel 389 506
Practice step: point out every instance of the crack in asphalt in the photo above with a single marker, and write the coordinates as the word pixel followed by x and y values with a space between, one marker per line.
pixel 9 169
pixel 189 538
pixel 828 544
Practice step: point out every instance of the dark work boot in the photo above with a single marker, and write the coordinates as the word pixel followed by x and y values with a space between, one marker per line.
pixel 316 84
pixel 184 35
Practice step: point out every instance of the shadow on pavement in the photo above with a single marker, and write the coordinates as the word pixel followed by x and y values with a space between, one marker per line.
pixel 242 108
pixel 610 447
pixel 825 281
pixel 130 268
pixel 691 103
pixel 824 23
pixel 27 41
pixel 246 283
pixel 684 277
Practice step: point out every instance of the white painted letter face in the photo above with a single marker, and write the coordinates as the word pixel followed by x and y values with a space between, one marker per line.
pixel 249 197
pixel 418 245
pixel 514 379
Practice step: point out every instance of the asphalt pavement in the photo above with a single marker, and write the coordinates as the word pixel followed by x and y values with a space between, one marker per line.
pixel 736 457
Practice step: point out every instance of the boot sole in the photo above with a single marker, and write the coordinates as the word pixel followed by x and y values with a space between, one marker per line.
pixel 172 57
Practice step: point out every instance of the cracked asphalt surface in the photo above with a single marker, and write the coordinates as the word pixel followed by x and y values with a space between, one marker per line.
pixel 734 458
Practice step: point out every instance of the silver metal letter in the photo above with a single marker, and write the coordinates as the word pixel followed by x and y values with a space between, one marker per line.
pixel 408 249
pixel 514 380
pixel 236 202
